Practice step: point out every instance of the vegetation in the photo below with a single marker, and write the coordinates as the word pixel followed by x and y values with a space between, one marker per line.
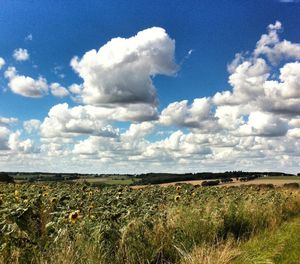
pixel 78 223
pixel 279 246
pixel 142 179
pixel 4 177
pixel 210 183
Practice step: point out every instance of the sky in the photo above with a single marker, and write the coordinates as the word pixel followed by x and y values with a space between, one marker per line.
pixel 149 86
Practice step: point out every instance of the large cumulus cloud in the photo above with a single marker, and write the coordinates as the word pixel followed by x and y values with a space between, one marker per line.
pixel 121 71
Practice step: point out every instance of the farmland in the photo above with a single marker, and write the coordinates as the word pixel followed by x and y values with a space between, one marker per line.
pixel 79 223
pixel 278 181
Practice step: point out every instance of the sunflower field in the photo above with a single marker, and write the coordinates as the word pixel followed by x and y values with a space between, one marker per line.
pixel 78 223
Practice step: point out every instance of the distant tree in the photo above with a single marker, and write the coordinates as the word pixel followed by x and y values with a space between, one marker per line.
pixel 4 177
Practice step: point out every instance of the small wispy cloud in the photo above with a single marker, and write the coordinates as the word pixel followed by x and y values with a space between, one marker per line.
pixel 29 37
pixel 289 1
pixel 186 57
pixel 21 54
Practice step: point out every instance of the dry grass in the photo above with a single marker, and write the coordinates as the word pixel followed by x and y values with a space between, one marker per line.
pixel 219 254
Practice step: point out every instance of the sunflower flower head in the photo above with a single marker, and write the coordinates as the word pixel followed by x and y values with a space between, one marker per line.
pixel 177 198
pixel 53 200
pixel 74 216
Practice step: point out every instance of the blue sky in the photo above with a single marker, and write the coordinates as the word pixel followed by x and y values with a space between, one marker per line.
pixel 206 35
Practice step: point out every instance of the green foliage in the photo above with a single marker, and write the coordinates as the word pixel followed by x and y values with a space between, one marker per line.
pixel 4 177
pixel 280 246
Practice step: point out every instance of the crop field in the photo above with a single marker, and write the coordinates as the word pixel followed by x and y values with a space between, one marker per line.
pixel 107 180
pixel 277 181
pixel 78 223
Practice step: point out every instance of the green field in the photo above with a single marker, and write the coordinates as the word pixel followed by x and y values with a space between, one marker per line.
pixel 111 180
pixel 79 223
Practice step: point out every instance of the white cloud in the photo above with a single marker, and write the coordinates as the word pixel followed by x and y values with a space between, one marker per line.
pixel 63 121
pixel 121 71
pixel 294 133
pixel 182 115
pixel 138 131
pixel 262 124
pixel 17 145
pixel 4 136
pixel 21 54
pixel 230 117
pixel 89 146
pixel 2 63
pixel 275 50
pixel 24 85
pixel 5 121
pixel 31 125
pixel 29 37
pixel 247 81
pixel 289 1
pixel 75 89
pixel 58 90
pixel 238 59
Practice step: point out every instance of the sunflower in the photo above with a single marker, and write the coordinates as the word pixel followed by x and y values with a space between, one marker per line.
pixel 74 216
pixel 53 200
pixel 177 198
pixel 17 195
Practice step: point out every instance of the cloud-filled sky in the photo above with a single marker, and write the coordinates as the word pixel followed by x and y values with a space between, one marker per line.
pixel 137 86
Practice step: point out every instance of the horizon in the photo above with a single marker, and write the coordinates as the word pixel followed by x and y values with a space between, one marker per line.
pixel 111 88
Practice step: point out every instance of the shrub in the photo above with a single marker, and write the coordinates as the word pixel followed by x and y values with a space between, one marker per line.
pixel 225 180
pixel 292 185
pixel 210 183
pixel 4 177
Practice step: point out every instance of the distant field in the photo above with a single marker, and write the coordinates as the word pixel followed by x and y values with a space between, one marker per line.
pixel 278 181
pixel 109 180
pixel 281 178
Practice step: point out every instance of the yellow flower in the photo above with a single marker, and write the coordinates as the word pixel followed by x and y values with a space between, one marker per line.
pixel 53 200
pixel 177 198
pixel 45 194
pixel 74 216
pixel 17 193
